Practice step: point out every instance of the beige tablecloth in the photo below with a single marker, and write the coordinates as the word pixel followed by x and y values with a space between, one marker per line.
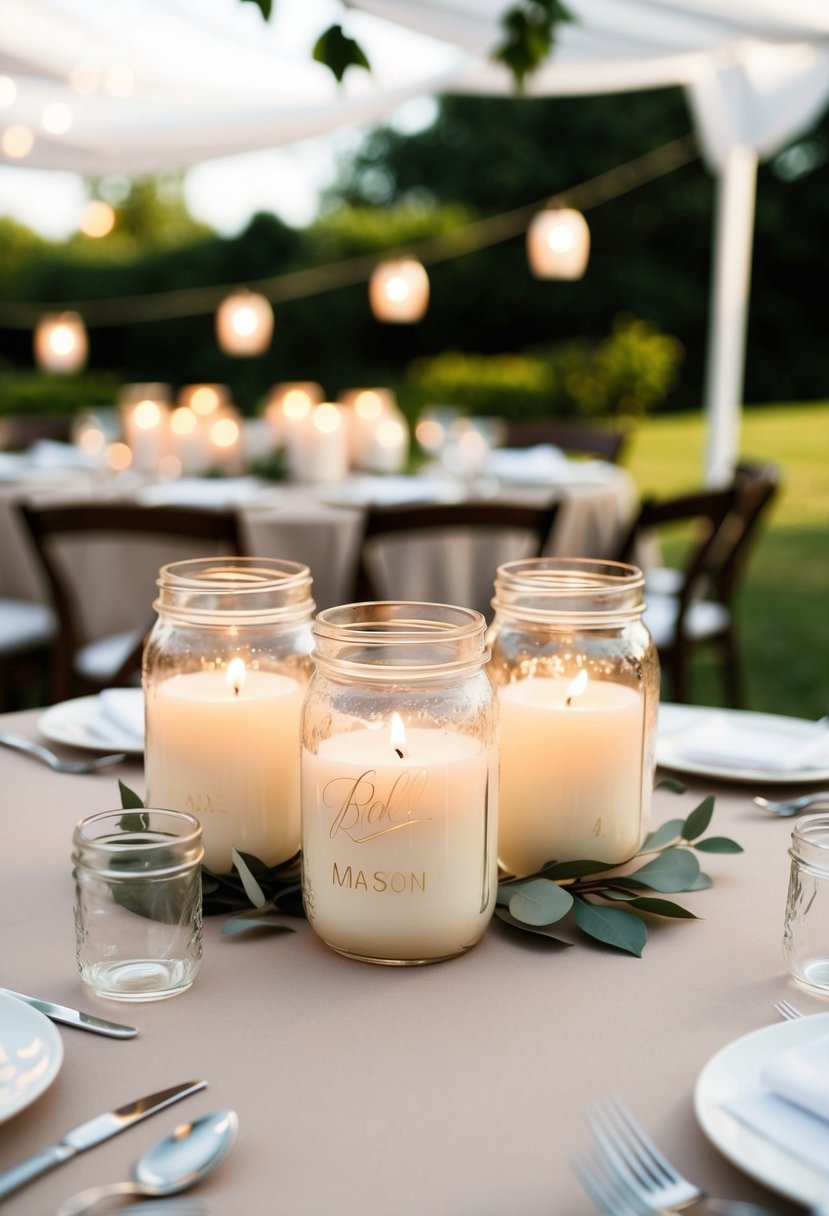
pixel 300 524
pixel 455 1089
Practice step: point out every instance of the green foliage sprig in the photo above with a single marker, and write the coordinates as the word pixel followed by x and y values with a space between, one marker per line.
pixel 259 896
pixel 587 891
pixel 529 28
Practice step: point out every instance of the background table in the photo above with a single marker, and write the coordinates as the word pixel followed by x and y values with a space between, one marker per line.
pixel 455 1089
pixel 303 523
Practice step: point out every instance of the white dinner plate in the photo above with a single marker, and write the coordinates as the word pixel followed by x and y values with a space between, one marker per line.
pixel 31 1053
pixel 79 724
pixel 730 1071
pixel 674 719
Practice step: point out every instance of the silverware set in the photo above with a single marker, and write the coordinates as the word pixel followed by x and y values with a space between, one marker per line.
pixel 793 806
pixel 20 743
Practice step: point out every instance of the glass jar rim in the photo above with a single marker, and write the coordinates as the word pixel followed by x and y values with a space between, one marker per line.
pixel 99 853
pixel 585 592
pixel 396 640
pixel 810 843
pixel 248 590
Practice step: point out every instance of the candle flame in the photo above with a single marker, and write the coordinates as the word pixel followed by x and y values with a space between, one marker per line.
pixel 398 735
pixel 577 686
pixel 236 675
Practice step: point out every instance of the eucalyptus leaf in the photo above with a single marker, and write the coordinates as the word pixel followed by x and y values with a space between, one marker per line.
pixel 575 869
pixel 544 931
pixel 670 783
pixel 129 799
pixel 699 819
pixel 252 889
pixel 539 902
pixel 664 835
pixel 264 6
pixel 614 926
pixel 718 844
pixel 670 871
pixel 702 882
pixel 661 907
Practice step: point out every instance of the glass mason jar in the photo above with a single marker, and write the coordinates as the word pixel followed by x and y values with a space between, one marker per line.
pixel 806 927
pixel 138 919
pixel 225 670
pixel 399 782
pixel 577 676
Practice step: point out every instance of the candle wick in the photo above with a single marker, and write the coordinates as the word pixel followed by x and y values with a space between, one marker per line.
pixel 568 701
pixel 400 752
pixel 235 690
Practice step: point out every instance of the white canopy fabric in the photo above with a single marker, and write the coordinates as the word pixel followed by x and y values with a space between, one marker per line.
pixel 152 84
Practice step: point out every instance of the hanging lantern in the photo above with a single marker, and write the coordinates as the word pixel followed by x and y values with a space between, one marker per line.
pixel 558 244
pixel 399 291
pixel 61 343
pixel 244 324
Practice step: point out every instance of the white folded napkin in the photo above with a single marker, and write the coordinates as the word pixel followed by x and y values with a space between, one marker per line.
pixel 119 719
pixel 537 464
pixel 790 1105
pixel 204 492
pixel 720 741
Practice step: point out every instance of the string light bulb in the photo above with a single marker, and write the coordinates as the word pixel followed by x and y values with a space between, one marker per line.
pixel 244 324
pixel 558 244
pixel 61 344
pixel 398 291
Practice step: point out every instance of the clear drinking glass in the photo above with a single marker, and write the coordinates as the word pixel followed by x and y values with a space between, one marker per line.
pixel 399 782
pixel 577 676
pixel 806 927
pixel 138 918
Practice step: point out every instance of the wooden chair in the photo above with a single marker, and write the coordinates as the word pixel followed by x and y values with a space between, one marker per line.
pixel 587 440
pixel 677 614
pixel 168 533
pixel 27 633
pixel 694 606
pixel 447 521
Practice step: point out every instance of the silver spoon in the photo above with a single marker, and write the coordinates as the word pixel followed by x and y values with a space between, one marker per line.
pixel 21 744
pixel 792 806
pixel 175 1163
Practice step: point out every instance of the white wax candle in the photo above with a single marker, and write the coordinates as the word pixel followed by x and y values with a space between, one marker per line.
pixel 399 857
pixel 321 452
pixel 230 758
pixel 571 773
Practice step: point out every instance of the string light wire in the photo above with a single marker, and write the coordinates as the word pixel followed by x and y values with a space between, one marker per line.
pixel 300 284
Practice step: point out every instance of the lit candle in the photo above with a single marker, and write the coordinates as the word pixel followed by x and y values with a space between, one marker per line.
pixel 146 432
pixel 226 748
pixel 395 858
pixel 321 452
pixel 225 447
pixel 571 772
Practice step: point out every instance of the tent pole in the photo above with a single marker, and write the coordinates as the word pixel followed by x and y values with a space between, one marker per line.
pixel 731 278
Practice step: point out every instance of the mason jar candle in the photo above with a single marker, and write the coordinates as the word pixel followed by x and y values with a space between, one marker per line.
pixel 225 672
pixel 399 782
pixel 577 676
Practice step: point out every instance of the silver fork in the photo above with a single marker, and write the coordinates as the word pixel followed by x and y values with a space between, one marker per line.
pixel 787 1011
pixel 646 1174
pixel 792 806
pixel 165 1207
pixel 21 744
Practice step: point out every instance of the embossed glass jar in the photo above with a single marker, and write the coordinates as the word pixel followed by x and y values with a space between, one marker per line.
pixel 577 676
pixel 399 782
pixel 806 927
pixel 225 671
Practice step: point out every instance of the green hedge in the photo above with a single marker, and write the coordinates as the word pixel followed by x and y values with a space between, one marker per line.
pixel 36 394
pixel 626 374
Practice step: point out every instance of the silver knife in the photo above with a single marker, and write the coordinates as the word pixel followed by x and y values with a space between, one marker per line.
pixel 75 1017
pixel 92 1133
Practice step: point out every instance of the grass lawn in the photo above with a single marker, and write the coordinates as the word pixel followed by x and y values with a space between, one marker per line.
pixel 783 606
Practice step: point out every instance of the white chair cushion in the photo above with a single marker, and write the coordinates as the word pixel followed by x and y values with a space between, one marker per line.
pixel 100 660
pixel 24 625
pixel 702 620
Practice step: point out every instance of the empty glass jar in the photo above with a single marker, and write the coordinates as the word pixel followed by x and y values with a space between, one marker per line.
pixel 225 671
pixel 577 676
pixel 806 928
pixel 399 782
